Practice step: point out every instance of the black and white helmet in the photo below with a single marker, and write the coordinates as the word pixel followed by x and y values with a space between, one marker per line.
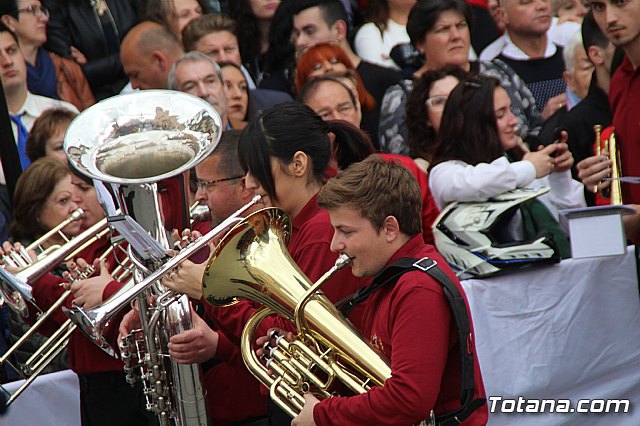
pixel 474 237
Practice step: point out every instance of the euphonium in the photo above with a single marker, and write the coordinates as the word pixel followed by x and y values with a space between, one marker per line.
pixel 143 145
pixel 606 142
pixel 252 262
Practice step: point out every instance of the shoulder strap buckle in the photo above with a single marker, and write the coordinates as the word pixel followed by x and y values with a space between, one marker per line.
pixel 425 264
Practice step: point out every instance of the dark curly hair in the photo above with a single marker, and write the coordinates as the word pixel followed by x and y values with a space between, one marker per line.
pixel 249 35
pixel 421 136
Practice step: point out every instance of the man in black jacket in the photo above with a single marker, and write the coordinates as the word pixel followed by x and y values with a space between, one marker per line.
pixel 91 32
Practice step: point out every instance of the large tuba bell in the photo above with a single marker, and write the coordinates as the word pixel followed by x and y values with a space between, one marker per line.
pixel 252 262
pixel 143 145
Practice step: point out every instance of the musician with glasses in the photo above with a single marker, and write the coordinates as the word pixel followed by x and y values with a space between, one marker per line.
pixel 46 195
pixel 221 186
pixel 48 74
pixel 374 210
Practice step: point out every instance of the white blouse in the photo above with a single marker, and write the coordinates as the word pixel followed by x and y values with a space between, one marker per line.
pixel 458 181
pixel 374 46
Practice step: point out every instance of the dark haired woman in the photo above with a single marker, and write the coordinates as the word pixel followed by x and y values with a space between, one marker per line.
pixel 237 94
pixel 424 111
pixel 480 154
pixel 254 18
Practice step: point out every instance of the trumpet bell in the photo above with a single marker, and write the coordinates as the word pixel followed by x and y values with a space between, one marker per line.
pixel 14 291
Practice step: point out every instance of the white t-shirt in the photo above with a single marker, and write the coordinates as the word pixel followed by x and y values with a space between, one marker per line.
pixel 374 46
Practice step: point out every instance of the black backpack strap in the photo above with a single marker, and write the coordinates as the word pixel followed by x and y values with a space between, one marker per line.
pixel 390 275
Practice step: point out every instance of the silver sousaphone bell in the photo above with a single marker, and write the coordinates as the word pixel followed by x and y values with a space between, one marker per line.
pixel 137 140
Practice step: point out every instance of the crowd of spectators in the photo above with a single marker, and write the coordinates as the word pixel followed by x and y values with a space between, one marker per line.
pixel 475 97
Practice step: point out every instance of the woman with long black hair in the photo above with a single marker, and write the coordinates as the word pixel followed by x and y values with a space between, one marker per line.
pixel 254 18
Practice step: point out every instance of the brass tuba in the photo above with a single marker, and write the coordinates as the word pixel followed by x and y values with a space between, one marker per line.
pixel 252 262
pixel 143 145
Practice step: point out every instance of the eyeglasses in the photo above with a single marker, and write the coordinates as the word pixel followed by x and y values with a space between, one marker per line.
pixel 436 102
pixel 35 10
pixel 205 184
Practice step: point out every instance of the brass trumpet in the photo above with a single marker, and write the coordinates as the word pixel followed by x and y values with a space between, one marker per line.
pixel 609 145
pixel 16 288
pixel 29 273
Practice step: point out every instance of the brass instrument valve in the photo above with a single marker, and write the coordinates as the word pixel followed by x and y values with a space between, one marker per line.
pixel 158 387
